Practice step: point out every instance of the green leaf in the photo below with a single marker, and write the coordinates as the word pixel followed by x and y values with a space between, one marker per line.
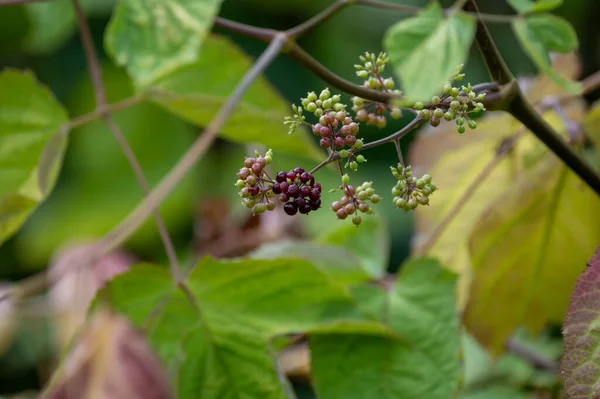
pixel 422 363
pixel 524 249
pixel 236 308
pixel 195 92
pixel 370 242
pixel 496 392
pixel 153 38
pixel 525 6
pixel 32 146
pixel 101 189
pixel 341 264
pixel 558 37
pixel 425 50
pixel 579 365
pixel 52 23
pixel 553 32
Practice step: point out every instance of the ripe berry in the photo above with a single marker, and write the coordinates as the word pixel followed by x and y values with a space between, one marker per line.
pixel 290 208
pixel 304 177
pixel 314 205
pixel 317 186
pixel 257 169
pixel 314 194
pixel 341 214
pixel 300 201
pixel 276 189
pixel 251 180
pixel 244 173
pixel 283 186
pixel 248 162
pixel 293 190
pixel 281 176
pixel 336 206
pixel 339 142
pixel 305 191
pixel 325 142
pixel 305 209
pixel 253 190
pixel 291 175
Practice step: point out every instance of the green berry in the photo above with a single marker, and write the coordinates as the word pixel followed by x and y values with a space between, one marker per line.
pixel 426 178
pixel 362 195
pixel 362 74
pixel 447 88
pixel 454 92
pixel 358 101
pixel 370 191
pixel 360 159
pixel 389 83
pixel 472 124
pixel 312 96
pixel 339 107
pixel 305 102
pixel 412 203
pixel 418 106
pixel 319 112
pixel 461 129
pixel 449 116
pixel 327 104
pixel 375 198
pixel 433 187
pixel 420 183
pixel 460 121
pixel 454 104
pixel 336 98
pixel 311 107
pixel 426 191
pixel 435 100
pixel 345 179
pixel 438 113
pixel 270 205
pixel 481 96
pixel 359 143
pixel 396 113
pixel 354 165
pixel 396 191
pixel 423 200
pixel 400 202
pixel 240 184
pixel 259 208
pixel 425 114
pixel 325 94
pixel 356 219
pixel 344 154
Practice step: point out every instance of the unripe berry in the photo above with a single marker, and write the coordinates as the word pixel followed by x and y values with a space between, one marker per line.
pixel 460 121
pixel 327 104
pixel 336 206
pixel 360 159
pixel 389 83
pixel 362 195
pixel 240 184
pixel 447 88
pixel 454 92
pixel 270 205
pixel 435 100
pixel 345 179
pixel 356 219
pixel 251 180
pixel 396 113
pixel 454 104
pixel 339 107
pixel 359 143
pixel 472 124
pixel 420 183
pixel 460 130
pixel 362 74
pixel 353 127
pixel 259 208
pixel 363 207
pixel 381 122
pixel 423 200
pixel 350 208
pixel 412 203
pixel 249 203
pixel 434 122
pixel 325 142
pixel 305 102
pixel 426 191
pixel 358 101
pixel 353 165
pixel 425 114
pixel 341 214
pixel 418 106
pixel 311 107
pixel 400 202
pixel 312 96
pixel 343 154
pixel 438 113
pixel 449 116
pixel 325 94
pixel 362 115
pixel 375 198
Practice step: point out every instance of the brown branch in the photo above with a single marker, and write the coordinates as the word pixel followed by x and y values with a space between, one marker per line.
pixel 318 19
pixel 18 2
pixel 531 356
pixel 99 91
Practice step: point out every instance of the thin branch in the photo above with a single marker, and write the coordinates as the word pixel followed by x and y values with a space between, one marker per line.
pixel 262 34
pixel 195 152
pixel 399 151
pixel 99 113
pixel 522 110
pixel 96 77
pixel 18 2
pixel 531 356
pixel 318 19
pixel 467 194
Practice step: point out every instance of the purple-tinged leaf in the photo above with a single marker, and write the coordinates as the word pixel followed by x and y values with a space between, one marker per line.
pixel 580 366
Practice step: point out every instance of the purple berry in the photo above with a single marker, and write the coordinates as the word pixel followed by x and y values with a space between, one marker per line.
pixel 305 209
pixel 305 191
pixel 290 208
pixel 325 131
pixel 280 177
pixel 317 186
pixel 244 173
pixel 300 202
pixel 291 175
pixel 314 205
pixel 283 186
pixel 315 194
pixel 304 177
pixel 276 188
pixel 293 190
pixel 325 142
pixel 253 190
pixel 284 198
pixel 257 169
pixel 298 170
pixel 339 142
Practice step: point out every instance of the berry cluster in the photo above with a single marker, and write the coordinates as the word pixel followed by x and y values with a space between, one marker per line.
pixel 355 200
pixel 411 192
pixel 255 185
pixel 298 190
pixel 337 130
pixel 453 104
pixel 373 113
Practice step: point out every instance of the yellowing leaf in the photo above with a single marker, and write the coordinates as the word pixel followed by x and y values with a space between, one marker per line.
pixel 524 250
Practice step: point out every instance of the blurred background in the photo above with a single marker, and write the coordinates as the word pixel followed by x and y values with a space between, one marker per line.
pixel 97 189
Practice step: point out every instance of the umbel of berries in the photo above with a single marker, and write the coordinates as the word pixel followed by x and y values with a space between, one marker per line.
pixel 411 191
pixel 355 201
pixel 255 184
pixel 298 190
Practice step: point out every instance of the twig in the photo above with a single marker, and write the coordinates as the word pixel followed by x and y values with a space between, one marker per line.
pixel 98 85
pixel 18 2
pixel 317 19
pixel 532 357
pixel 399 151
pixel 522 110
pixel 99 113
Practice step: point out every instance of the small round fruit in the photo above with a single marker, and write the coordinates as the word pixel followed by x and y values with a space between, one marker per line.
pixel 290 208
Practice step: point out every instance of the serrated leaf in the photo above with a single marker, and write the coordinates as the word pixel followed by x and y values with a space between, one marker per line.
pixel 422 363
pixel 32 146
pixel 238 307
pixel 341 264
pixel 153 38
pixel 525 6
pixel 520 250
pixel 425 50
pixel 370 242
pixel 195 92
pixel 535 47
pixel 579 365
pixel 104 188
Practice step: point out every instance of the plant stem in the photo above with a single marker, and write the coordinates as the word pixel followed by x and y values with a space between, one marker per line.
pixel 100 93
pixel 100 112
pixel 195 152
pixel 399 151
pixel 520 108
pixel 18 2
pixel 532 357
pixel 318 19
